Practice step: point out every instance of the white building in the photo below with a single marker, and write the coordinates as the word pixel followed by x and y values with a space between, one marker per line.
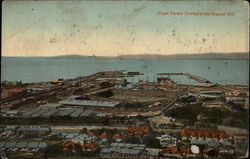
pixel 167 141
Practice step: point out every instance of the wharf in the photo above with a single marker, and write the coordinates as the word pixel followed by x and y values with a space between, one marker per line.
pixel 197 78
pixel 180 73
pixel 191 76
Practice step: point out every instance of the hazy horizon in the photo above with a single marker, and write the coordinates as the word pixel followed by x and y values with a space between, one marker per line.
pixel 136 54
pixel 113 28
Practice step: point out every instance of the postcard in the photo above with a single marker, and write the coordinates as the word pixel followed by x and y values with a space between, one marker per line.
pixel 124 79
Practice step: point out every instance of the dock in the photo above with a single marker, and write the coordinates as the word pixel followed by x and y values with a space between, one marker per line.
pixel 189 75
pixel 180 73
pixel 197 78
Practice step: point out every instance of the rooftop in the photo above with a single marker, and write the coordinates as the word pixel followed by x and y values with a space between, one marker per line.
pixel 138 130
pixel 72 101
pixel 187 132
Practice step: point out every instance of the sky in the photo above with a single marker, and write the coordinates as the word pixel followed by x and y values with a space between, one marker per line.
pixel 111 28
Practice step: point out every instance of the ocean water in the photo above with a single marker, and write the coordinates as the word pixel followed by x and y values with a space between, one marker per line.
pixel 29 69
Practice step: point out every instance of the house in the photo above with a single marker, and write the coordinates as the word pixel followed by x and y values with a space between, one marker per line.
pixel 12 113
pixel 103 137
pixel 123 151
pixel 90 146
pixel 139 130
pixel 117 137
pixel 171 152
pixel 218 152
pixel 240 138
pixel 209 138
pixel 22 146
pixel 202 134
pixel 92 133
pixel 176 152
pixel 74 147
pixel 70 146
pixel 34 131
pixel 78 138
pixel 153 153
pixel 237 93
pixel 238 100
pixel 167 141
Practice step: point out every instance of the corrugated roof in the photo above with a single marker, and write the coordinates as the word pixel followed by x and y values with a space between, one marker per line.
pixel 21 144
pixel 35 150
pixel 33 129
pixel 77 112
pixel 126 145
pixel 50 105
pixel 153 152
pixel 105 150
pixel 10 144
pixel 116 150
pixel 100 115
pixel 39 113
pixel 226 143
pixel 70 136
pixel 134 152
pixel 49 113
pixel 64 112
pixel 213 144
pixel 13 149
pixel 33 144
pixel 88 103
pixel 2 144
pixel 42 145
pixel 29 112
pixel 198 142
pixel 130 152
pixel 86 113
pixel 24 149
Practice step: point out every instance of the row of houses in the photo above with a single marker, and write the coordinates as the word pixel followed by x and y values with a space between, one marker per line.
pixel 195 143
pixel 90 137
pixel 125 150
pixel 204 134
pixel 73 112
pixel 24 132
pixel 22 146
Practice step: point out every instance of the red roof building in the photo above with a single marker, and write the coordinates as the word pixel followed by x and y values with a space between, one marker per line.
pixel 92 133
pixel 138 130
pixel 70 146
pixel 117 136
pixel 90 146
pixel 172 150
pixel 103 135
pixel 203 133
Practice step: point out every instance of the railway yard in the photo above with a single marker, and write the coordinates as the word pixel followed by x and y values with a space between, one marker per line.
pixel 104 115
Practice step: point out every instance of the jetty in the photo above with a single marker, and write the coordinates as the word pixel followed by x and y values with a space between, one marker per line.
pixel 197 78
pixel 180 73
pixel 189 75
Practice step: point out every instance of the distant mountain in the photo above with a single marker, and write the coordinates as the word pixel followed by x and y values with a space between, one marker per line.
pixel 71 57
pixel 208 56
pixel 211 56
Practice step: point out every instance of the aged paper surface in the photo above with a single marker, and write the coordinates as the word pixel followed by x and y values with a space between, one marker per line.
pixel 124 79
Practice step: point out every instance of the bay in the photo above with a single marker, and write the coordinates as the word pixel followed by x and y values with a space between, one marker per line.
pixel 29 69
